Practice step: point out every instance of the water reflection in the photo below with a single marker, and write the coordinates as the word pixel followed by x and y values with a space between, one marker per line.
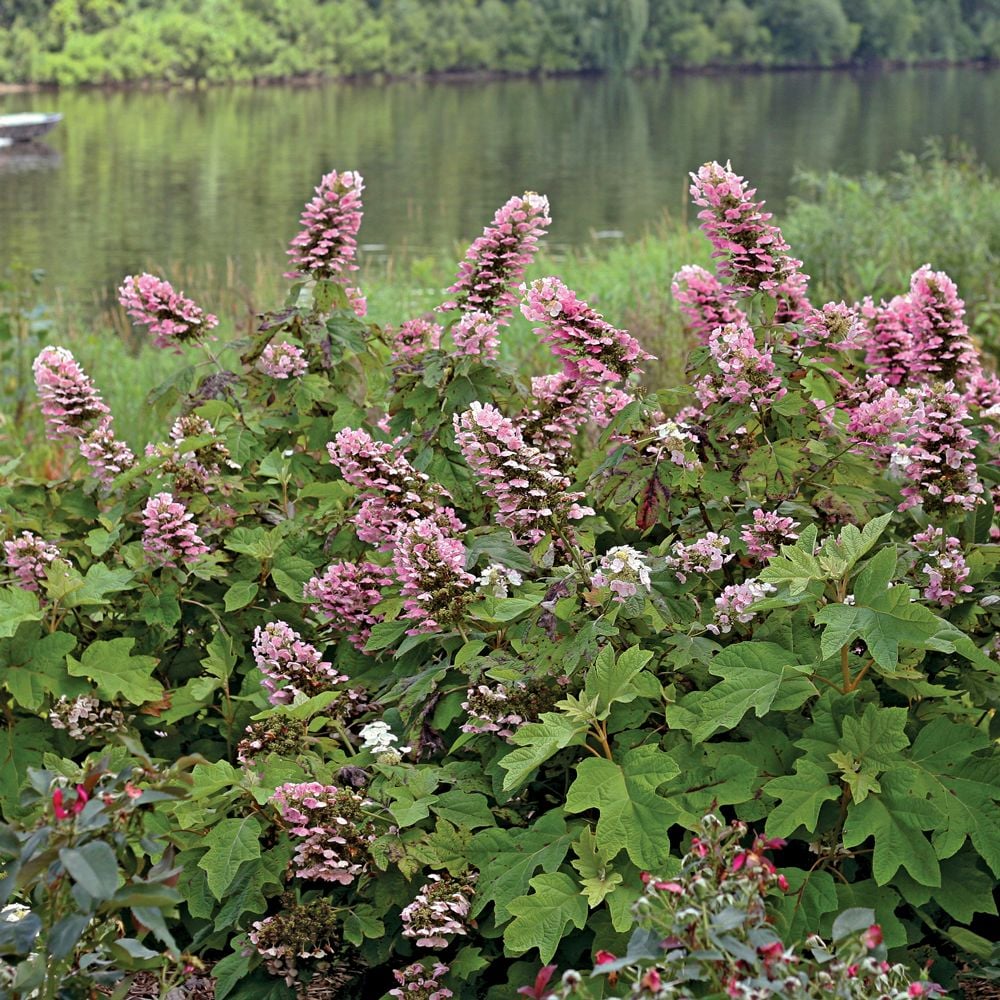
pixel 24 156
pixel 202 177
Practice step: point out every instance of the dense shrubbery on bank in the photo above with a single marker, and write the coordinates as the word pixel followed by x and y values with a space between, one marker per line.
pixel 389 665
pixel 95 41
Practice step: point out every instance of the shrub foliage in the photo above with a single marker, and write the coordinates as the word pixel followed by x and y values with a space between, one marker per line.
pixel 396 671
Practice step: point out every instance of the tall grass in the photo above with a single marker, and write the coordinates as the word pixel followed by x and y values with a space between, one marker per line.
pixel 856 236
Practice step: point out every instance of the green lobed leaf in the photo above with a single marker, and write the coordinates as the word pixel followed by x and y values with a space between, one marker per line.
pixel 801 796
pixel 17 606
pixel 34 666
pixel 538 741
pixel 611 680
pixel 109 663
pixel 230 843
pixel 632 816
pixel 541 918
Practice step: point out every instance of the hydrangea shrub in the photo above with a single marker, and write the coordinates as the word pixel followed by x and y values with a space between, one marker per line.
pixel 448 662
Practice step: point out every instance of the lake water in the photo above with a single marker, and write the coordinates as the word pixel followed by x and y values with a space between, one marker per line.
pixel 129 180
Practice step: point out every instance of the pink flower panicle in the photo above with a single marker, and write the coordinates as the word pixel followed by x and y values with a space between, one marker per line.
pixel 942 346
pixel 921 336
pixel 283 360
pixel 172 318
pixel 938 457
pixel 751 252
pixel 744 372
pixel 675 441
pixel 346 594
pixel 704 302
pixel 28 557
pixel 732 604
pixel 325 247
pixel 168 533
pixel 394 493
pixel 477 334
pixel 334 830
pixel 495 262
pixel 430 565
pixel 419 983
pixel 946 569
pixel 531 494
pixel 414 338
pixel 591 349
pixel 71 405
pixel 194 470
pixel 704 555
pixel 290 666
pixel 768 532
pixel 439 910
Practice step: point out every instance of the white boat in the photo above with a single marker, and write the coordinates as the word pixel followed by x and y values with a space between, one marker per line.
pixel 26 125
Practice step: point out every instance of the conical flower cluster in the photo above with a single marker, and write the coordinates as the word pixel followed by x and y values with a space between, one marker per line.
pixel 169 535
pixel 172 318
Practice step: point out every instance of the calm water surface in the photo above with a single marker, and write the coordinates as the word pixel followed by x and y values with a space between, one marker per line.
pixel 129 180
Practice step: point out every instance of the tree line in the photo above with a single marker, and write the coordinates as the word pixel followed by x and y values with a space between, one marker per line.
pixel 71 42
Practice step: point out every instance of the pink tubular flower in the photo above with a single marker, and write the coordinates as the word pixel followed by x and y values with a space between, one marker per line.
pixel 768 533
pixel 28 558
pixel 705 555
pixel 477 334
pixel 732 604
pixel 415 337
pixel 283 360
pixel 395 494
pixel 289 665
pixel 752 253
pixel 345 595
pixel 419 983
pixel 531 494
pixel 590 348
pixel 72 407
pixel 745 373
pixel 439 910
pixel 172 319
pixel 430 565
pixel 334 830
pixel 704 303
pixel 168 532
pixel 938 457
pixel 64 811
pixel 496 261
pixel 947 570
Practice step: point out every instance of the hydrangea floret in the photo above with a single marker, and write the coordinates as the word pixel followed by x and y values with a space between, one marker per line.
pixel 496 580
pixel 530 493
pixel 704 302
pixel 344 596
pixel 946 569
pixel 29 557
pixel 416 982
pixel 591 349
pixel 169 535
pixel 291 667
pixel 85 716
pixel 283 360
pixel 332 827
pixel 414 338
pixel 767 533
pixel 172 318
pixel 302 933
pixel 439 910
pixel 623 570
pixel 732 606
pixel 495 262
pixel 704 555
pixel 325 247
pixel 381 741
pixel 477 335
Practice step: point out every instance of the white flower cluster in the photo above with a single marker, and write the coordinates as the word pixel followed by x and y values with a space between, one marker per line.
pixel 496 580
pixel 623 571
pixel 379 738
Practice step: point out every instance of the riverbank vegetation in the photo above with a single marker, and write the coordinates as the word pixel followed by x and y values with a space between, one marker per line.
pixel 389 668
pixel 70 42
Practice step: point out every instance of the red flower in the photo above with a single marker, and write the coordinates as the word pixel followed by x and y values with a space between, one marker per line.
pixel 64 812
pixel 651 981
pixel 604 957
pixel 872 937
pixel 538 991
